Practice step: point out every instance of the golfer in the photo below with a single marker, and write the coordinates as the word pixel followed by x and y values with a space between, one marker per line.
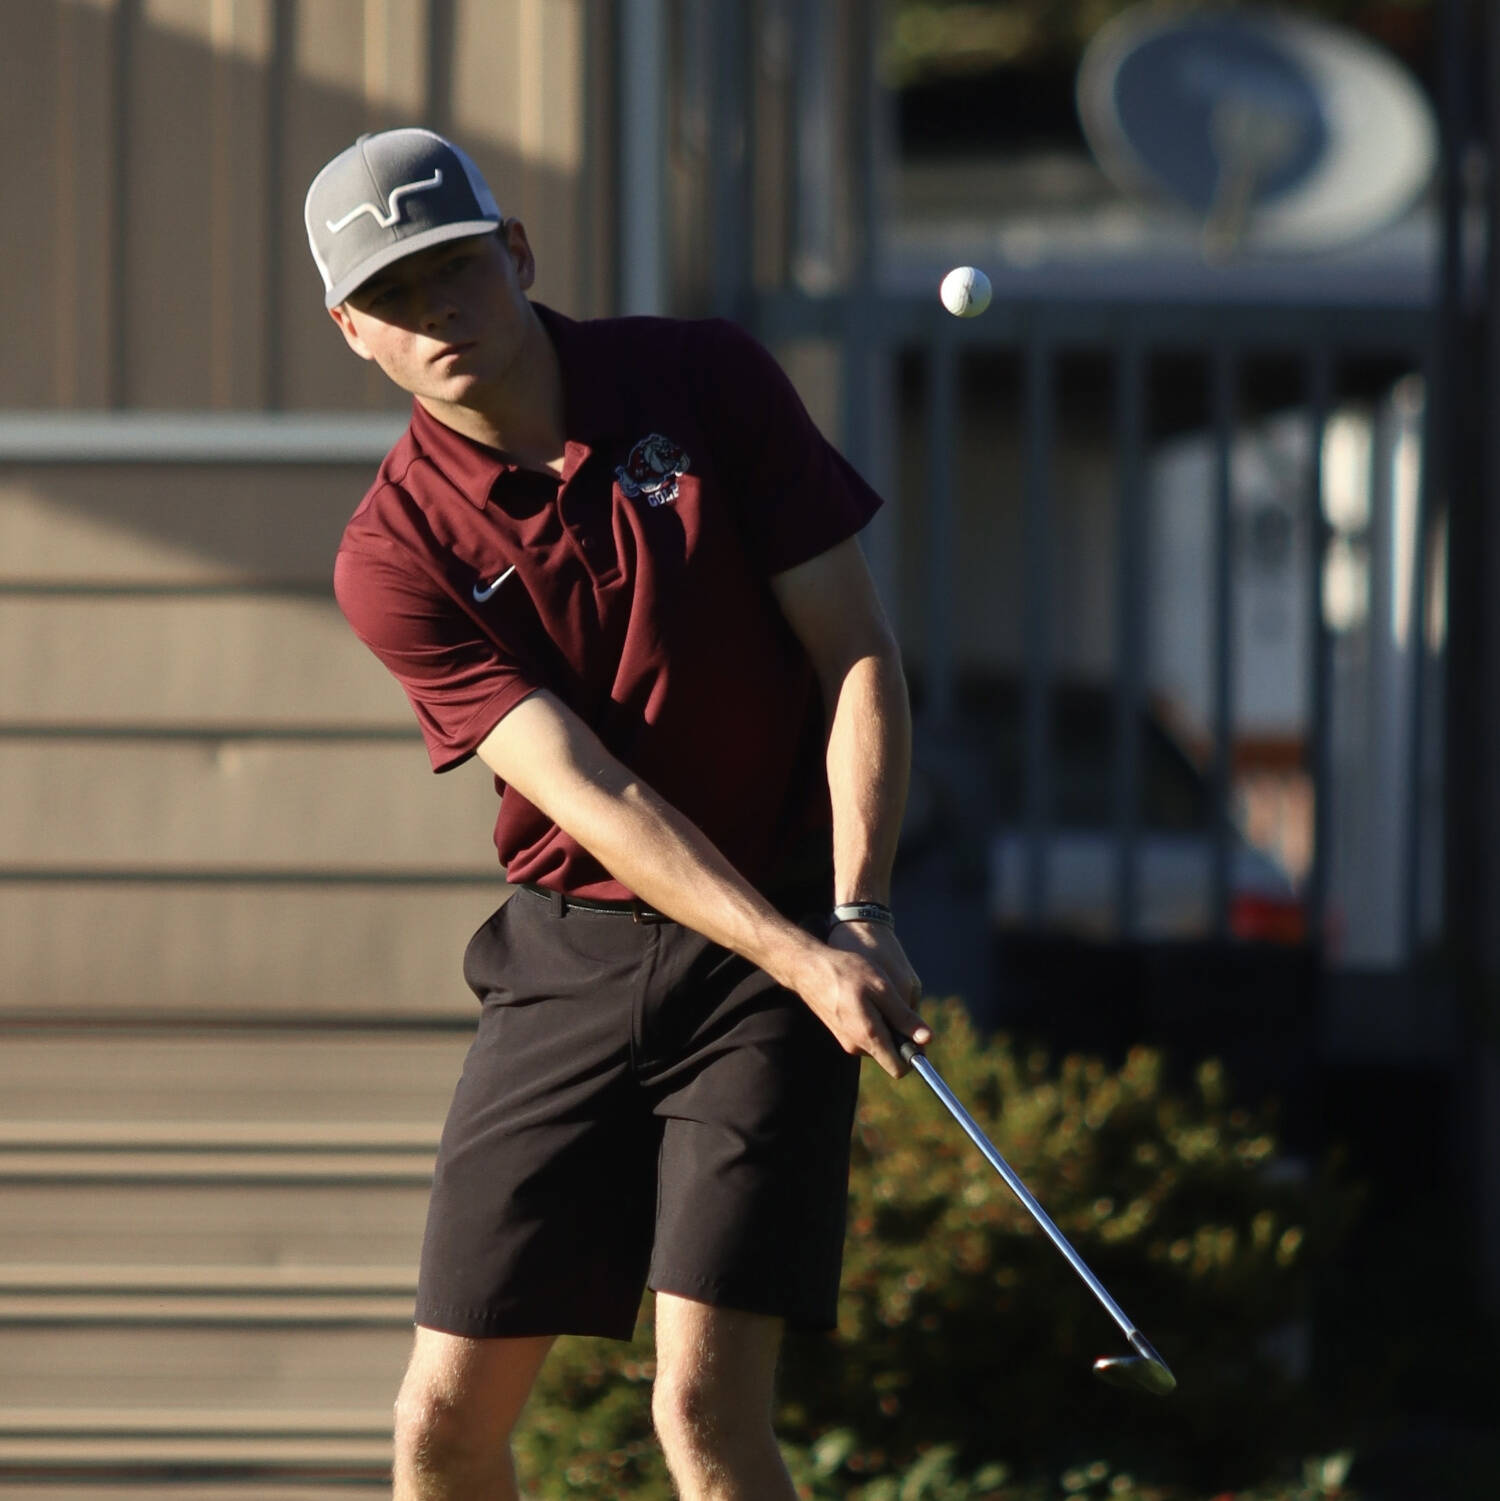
pixel 616 561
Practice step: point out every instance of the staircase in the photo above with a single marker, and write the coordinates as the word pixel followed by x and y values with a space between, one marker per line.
pixel 208 1244
pixel 232 906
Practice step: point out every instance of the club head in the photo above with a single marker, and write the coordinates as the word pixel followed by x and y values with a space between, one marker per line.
pixel 1145 1371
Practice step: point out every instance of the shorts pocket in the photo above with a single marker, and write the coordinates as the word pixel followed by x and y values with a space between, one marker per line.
pixel 485 954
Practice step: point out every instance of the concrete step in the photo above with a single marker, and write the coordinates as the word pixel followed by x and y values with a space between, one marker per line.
pixel 248 1281
pixel 202 1374
pixel 222 1297
pixel 119 1154
pixel 171 1486
pixel 255 1221
pixel 195 1076
pixel 111 1165
pixel 68 1138
pixel 202 949
pixel 208 1250
pixel 263 1453
pixel 70 1455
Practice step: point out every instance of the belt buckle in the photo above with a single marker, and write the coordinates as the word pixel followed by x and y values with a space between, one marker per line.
pixel 645 917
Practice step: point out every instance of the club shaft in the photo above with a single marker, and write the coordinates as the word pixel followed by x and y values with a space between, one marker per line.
pixel 1019 1189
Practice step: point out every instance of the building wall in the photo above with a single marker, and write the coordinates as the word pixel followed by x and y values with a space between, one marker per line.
pixel 155 252
pixel 209 792
pixel 211 796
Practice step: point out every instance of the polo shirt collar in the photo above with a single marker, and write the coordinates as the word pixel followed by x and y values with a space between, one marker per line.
pixel 472 467
pixel 593 411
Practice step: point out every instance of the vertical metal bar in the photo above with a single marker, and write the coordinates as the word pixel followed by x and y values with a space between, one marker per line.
pixel 1225 401
pixel 873 359
pixel 126 23
pixel 1485 1129
pixel 854 389
pixel 1319 376
pixel 1413 867
pixel 1381 825
pixel 773 156
pixel 728 116
pixel 1130 587
pixel 1038 404
pixel 869 389
pixel 942 530
pixel 871 123
pixel 855 355
pixel 1452 429
pixel 814 258
pixel 642 146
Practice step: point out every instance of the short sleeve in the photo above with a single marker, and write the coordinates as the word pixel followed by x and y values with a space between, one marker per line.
pixel 797 496
pixel 459 682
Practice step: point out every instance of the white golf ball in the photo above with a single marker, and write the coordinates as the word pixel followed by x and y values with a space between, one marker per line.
pixel 965 291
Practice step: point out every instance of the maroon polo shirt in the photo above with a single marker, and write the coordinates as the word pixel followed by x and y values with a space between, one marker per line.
pixel 634 588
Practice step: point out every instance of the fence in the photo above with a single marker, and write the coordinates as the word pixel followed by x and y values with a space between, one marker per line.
pixel 1373 548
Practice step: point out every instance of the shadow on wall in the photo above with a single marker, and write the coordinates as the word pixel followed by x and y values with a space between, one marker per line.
pixel 169 269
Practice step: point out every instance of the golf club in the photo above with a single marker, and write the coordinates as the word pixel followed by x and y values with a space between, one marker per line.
pixel 1144 1371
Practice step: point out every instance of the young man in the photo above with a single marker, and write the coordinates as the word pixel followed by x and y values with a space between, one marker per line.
pixel 616 561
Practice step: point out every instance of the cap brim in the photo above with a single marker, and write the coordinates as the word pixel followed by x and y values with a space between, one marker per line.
pixel 403 248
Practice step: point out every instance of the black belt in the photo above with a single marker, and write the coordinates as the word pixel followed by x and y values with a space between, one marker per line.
pixel 561 904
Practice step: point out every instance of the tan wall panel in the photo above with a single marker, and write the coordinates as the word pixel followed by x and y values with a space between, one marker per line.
pixel 175 524
pixel 201 109
pixel 240 805
pixel 517 106
pixel 303 1371
pixel 195 236
pixel 395 59
pixel 334 46
pixel 231 951
pixel 324 111
pixel 253 1225
pixel 168 240
pixel 553 151
pixel 333 1077
pixel 237 315
pixel 82 308
pixel 196 662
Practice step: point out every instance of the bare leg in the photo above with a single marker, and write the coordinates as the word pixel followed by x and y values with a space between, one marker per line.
pixel 715 1372
pixel 458 1406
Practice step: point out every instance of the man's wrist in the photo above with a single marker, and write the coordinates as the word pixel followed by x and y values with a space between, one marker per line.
pixel 874 912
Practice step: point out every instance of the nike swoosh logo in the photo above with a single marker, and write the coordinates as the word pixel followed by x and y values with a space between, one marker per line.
pixel 482 594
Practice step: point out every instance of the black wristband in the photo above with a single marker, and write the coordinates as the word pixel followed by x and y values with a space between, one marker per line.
pixel 876 912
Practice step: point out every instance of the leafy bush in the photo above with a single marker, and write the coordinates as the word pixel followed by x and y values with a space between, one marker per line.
pixel 961 1365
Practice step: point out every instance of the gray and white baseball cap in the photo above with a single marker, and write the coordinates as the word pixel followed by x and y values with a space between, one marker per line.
pixel 387 196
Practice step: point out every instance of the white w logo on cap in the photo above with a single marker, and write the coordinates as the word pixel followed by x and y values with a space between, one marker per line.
pixel 393 204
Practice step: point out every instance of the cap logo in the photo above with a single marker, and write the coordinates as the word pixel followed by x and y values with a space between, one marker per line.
pixel 393 204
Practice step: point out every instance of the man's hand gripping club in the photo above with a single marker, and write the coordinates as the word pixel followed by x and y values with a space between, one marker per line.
pixel 548 755
pixel 865 1007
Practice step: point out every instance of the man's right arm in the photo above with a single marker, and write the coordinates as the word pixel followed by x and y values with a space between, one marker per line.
pixel 552 758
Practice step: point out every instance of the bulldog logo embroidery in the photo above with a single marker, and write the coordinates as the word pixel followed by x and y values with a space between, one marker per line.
pixel 652 470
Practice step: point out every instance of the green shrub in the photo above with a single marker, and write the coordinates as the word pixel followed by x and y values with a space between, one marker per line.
pixel 961 1366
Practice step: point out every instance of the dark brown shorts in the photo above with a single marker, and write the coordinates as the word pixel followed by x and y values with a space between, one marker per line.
pixel 640 1107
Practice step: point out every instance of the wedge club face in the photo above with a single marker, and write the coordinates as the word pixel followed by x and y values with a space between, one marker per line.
pixel 1145 1371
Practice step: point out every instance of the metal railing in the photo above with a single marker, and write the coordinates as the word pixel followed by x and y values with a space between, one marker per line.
pixel 1318 343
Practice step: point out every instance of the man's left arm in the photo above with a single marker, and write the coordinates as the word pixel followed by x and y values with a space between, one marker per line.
pixel 831 605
